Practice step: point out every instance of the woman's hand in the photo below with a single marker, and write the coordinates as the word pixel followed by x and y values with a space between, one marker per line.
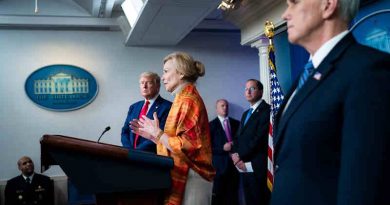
pixel 146 127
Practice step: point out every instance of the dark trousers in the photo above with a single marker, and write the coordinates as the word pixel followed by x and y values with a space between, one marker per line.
pixel 255 189
pixel 225 189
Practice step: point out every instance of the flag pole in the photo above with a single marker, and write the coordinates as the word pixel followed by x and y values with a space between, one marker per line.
pixel 269 31
pixel 276 98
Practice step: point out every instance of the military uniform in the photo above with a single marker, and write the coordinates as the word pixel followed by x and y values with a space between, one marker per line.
pixel 39 192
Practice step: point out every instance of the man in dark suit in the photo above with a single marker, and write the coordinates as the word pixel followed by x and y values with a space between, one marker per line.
pixel 29 188
pixel 251 145
pixel 332 142
pixel 149 83
pixel 223 129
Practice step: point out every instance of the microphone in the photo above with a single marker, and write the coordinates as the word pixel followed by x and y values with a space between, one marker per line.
pixel 105 130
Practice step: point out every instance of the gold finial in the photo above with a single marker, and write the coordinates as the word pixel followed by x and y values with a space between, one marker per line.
pixel 227 5
pixel 269 29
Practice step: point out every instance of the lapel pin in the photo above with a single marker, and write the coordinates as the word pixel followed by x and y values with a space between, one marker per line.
pixel 317 76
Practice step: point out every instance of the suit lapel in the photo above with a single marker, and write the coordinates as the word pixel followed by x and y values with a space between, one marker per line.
pixel 138 108
pixel 221 131
pixel 153 107
pixel 233 127
pixel 23 182
pixel 137 111
pixel 324 69
pixel 254 114
pixel 242 122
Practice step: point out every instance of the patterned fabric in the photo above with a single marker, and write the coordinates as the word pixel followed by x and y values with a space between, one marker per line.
pixel 189 137
pixel 307 70
pixel 276 100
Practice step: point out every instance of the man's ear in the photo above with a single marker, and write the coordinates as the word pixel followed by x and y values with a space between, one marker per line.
pixel 329 8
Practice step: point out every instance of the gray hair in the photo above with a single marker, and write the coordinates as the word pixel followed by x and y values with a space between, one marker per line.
pixel 348 9
pixel 220 100
pixel 154 76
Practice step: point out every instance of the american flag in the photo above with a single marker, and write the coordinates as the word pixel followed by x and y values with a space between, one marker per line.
pixel 276 99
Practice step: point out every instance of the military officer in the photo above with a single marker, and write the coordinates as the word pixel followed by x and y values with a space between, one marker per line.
pixel 29 188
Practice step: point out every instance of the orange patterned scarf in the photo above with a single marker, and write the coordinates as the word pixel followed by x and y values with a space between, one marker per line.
pixel 188 129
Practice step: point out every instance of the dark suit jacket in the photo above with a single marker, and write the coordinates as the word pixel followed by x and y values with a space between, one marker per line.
pixel 251 144
pixel 226 180
pixel 161 106
pixel 332 144
pixel 39 192
pixel 221 159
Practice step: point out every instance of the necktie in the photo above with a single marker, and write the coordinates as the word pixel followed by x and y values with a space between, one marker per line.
pixel 227 130
pixel 144 110
pixel 248 115
pixel 28 180
pixel 308 69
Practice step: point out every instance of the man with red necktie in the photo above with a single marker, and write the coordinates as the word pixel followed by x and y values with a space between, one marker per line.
pixel 149 83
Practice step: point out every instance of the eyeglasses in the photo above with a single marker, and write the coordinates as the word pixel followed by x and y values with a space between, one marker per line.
pixel 250 89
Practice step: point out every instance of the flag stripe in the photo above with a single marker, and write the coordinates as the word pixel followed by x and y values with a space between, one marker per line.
pixel 276 96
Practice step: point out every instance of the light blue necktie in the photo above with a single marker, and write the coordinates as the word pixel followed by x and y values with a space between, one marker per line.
pixel 248 115
pixel 308 69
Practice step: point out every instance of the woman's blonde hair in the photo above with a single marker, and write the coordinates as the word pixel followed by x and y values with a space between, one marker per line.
pixel 187 66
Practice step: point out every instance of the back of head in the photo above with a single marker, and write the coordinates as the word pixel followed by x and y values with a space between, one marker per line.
pixel 347 9
pixel 190 68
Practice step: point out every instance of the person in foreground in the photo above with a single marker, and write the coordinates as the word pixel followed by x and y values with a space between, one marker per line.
pixel 223 129
pixel 186 136
pixel 29 188
pixel 332 138
pixel 149 84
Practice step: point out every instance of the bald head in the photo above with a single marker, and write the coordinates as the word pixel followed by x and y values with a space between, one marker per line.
pixel 26 165
pixel 222 106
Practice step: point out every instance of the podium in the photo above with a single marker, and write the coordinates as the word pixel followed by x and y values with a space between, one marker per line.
pixel 114 174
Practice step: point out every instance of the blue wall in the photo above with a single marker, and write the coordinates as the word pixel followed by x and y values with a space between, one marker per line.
pixel 290 58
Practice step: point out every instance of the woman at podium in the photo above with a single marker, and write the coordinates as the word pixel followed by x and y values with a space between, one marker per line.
pixel 186 135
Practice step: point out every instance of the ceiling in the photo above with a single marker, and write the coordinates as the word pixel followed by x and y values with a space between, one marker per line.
pixel 161 22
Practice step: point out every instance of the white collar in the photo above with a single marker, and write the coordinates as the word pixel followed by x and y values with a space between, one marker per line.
pixel 151 101
pixel 222 118
pixel 25 177
pixel 325 49
pixel 254 106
